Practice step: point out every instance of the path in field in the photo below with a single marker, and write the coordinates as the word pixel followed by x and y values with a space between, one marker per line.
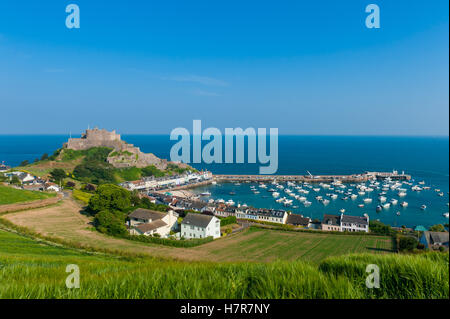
pixel 65 221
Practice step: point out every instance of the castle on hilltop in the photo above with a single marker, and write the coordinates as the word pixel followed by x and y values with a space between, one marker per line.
pixel 123 154
pixel 96 138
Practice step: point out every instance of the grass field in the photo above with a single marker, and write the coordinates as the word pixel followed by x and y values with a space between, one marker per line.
pixel 9 195
pixel 32 269
pixel 65 221
pixel 259 244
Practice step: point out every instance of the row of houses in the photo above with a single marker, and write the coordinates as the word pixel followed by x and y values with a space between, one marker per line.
pixel 329 222
pixel 149 223
pixel 167 182
pixel 34 183
pixel 345 223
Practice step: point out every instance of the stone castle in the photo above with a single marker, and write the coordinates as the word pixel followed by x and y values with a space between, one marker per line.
pixel 123 155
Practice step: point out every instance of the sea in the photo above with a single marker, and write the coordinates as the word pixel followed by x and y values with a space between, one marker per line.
pixel 424 158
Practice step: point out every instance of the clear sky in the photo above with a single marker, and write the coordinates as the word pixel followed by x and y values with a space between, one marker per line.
pixel 305 67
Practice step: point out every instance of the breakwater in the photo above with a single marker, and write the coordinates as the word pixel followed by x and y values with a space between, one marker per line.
pixel 353 178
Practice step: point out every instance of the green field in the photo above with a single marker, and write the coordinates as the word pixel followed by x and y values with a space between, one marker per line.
pixel 9 195
pixel 258 244
pixel 33 269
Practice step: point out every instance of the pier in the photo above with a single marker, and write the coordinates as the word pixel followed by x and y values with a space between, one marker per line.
pixel 353 178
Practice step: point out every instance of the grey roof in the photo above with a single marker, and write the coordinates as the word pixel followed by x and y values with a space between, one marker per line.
pixel 434 237
pixel 148 214
pixel 143 228
pixel 198 220
pixel 354 219
pixel 295 219
pixel 331 220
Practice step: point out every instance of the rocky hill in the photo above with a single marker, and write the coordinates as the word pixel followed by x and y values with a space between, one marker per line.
pixel 123 154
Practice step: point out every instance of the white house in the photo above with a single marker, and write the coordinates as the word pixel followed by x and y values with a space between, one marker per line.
pixel 200 226
pixel 355 223
pixel 148 222
pixel 52 187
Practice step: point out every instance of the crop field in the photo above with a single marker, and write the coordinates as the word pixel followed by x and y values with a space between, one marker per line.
pixel 33 269
pixel 9 195
pixel 259 244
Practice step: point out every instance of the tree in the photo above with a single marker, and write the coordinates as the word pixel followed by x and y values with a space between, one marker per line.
pixel 57 175
pixel 110 223
pixel 15 180
pixel 438 228
pixel 407 243
pixel 36 160
pixel 24 163
pixel 110 197
pixel 44 157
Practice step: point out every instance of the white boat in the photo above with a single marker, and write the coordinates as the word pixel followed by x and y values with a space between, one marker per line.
pixel 263 185
pixel 205 194
pixel 362 193
pixel 220 200
pixel 445 215
pixel 382 199
pixel 404 204
pixel 353 196
pixel 423 207
pixel 214 182
pixel 319 197
pixel 275 194
pixel 387 205
pixel 307 203
pixel 316 189
pixel 230 202
pixel 394 201
pixel 401 194
pixel 367 200
pixel 361 205
pixel 398 213
pixel 302 198
pixel 333 196
pixel 342 210
pixel 416 188
pixel 441 194
pixel 325 201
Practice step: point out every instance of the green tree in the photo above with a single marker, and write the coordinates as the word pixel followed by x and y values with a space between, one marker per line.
pixel 438 227
pixel 44 157
pixel 407 243
pixel 110 223
pixel 15 180
pixel 24 163
pixel 58 175
pixel 110 197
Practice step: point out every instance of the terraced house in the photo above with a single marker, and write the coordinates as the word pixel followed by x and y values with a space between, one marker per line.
pixel 345 223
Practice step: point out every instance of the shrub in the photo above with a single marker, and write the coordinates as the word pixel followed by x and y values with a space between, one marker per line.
pixel 110 223
pixel 228 220
pixel 407 243
pixel 110 197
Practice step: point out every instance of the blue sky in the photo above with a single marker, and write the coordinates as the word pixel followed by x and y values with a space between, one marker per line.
pixel 305 67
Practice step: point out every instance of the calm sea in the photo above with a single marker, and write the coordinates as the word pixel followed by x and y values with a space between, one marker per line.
pixel 425 158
